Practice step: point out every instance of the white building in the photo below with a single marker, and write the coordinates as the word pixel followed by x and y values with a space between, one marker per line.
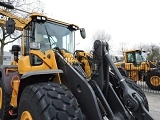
pixel 7 58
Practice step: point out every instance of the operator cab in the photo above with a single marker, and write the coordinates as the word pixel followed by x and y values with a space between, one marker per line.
pixel 136 57
pixel 42 33
pixel 50 35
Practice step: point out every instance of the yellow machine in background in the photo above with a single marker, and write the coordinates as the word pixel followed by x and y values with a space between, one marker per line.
pixel 52 81
pixel 136 67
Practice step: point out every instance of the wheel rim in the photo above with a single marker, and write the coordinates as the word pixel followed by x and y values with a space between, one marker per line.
pixel 155 80
pixel 0 97
pixel 26 116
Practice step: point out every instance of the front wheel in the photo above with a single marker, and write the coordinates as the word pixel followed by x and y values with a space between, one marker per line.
pixel 48 101
pixel 153 80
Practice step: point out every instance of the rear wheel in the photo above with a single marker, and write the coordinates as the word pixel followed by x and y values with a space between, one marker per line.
pixel 48 101
pixel 4 103
pixel 153 80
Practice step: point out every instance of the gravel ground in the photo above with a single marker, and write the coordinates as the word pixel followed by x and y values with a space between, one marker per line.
pixel 154 104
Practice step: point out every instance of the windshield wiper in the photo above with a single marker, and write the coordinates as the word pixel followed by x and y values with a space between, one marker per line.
pixel 49 36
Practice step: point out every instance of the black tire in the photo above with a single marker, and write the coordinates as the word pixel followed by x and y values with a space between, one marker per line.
pixel 49 101
pixel 148 78
pixel 5 103
pixel 135 87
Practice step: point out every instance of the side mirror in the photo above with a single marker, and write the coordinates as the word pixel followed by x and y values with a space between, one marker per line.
pixel 10 26
pixel 83 33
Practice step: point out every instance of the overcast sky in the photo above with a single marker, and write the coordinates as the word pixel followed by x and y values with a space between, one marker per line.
pixel 127 21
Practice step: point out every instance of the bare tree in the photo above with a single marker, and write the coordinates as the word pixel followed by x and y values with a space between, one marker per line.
pixel 101 35
pixel 122 47
pixel 154 53
pixel 27 5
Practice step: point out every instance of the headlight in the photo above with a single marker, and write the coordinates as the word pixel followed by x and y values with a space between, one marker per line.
pixel 41 18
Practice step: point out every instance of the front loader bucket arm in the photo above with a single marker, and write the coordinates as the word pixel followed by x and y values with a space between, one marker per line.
pixel 80 88
pixel 132 99
pixel 88 94
pixel 101 76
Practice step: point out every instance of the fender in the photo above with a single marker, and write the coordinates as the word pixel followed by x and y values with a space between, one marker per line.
pixel 7 72
pixel 34 77
pixel 40 72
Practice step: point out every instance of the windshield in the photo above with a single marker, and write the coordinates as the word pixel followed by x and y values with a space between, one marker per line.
pixel 51 35
pixel 135 57
pixel 140 57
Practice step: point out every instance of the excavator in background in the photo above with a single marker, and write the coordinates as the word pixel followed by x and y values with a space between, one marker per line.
pixel 136 67
pixel 52 81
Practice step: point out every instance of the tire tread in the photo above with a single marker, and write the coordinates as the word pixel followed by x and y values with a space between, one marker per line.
pixel 55 97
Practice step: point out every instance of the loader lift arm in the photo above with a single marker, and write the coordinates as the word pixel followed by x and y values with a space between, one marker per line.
pixel 132 99
pixel 103 101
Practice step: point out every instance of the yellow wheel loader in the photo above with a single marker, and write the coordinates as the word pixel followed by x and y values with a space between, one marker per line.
pixel 136 67
pixel 49 82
